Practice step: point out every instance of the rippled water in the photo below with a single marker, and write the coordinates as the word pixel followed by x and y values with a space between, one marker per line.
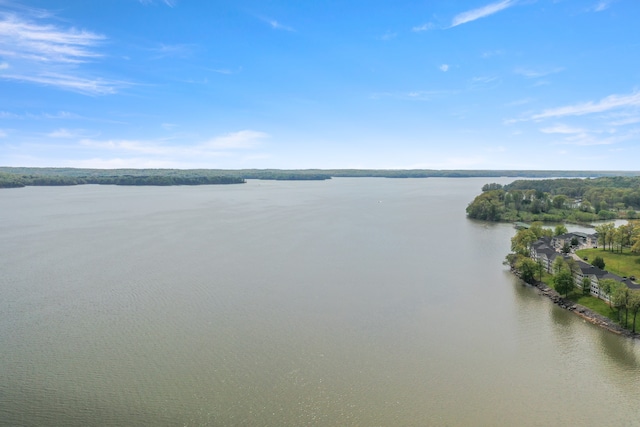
pixel 369 302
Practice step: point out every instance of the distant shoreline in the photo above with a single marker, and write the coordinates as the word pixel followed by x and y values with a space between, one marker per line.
pixel 13 177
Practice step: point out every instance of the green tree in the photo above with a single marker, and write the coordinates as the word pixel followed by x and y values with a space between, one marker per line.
pixel 540 269
pixel 607 288
pixel 539 231
pixel 527 269
pixel 559 264
pixel 560 229
pixel 563 282
pixel 559 202
pixel 620 297
pixel 522 241
pixel 634 306
pixel 604 233
pixel 586 286
pixel 598 261
pixel 492 186
pixel 488 206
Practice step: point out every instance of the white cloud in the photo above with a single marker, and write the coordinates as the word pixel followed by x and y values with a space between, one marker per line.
pixel 238 140
pixel 481 12
pixel 174 50
pixel 170 3
pixel 70 82
pixel 222 71
pixel 49 54
pixel 388 36
pixel 444 67
pixel 609 103
pixel 278 26
pixel 67 133
pixel 3 134
pixel 484 82
pixel 586 139
pixel 491 53
pixel 158 148
pixel 417 95
pixel 221 146
pixel 563 129
pixel 424 27
pixel 120 163
pixel 536 73
pixel 625 121
pixel 602 5
pixel 23 39
pixel 4 66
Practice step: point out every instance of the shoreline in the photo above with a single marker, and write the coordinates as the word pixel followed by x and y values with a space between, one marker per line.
pixel 580 310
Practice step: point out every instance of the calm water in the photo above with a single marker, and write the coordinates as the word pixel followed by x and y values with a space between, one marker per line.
pixel 368 302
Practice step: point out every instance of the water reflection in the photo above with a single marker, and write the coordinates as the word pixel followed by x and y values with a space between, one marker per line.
pixel 622 352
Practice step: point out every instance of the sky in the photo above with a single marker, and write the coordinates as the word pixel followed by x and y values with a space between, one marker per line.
pixel 377 84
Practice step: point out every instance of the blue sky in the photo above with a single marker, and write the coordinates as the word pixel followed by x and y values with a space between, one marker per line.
pixel 436 84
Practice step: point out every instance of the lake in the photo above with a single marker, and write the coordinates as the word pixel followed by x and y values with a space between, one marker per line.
pixel 348 302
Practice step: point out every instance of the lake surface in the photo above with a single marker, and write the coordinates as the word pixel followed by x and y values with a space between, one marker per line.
pixel 363 302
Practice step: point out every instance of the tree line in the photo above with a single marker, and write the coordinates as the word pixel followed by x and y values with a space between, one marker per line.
pixel 616 239
pixel 558 200
pixel 11 180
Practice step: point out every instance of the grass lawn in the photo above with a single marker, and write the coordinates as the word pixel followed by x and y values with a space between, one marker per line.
pixel 623 264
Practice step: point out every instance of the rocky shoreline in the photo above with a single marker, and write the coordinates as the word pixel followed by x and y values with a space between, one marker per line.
pixel 582 311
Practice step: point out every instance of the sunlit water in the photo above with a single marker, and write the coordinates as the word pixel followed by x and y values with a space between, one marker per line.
pixel 368 302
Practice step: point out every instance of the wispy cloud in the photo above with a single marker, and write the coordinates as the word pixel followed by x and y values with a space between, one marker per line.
pixel 444 67
pixel 238 140
pixel 276 25
pixel 170 3
pixel 173 51
pixel 481 12
pixel 124 146
pixel 58 115
pixel 601 5
pixel 416 95
pixel 589 137
pixel 388 36
pixel 68 133
pixel 167 152
pixel 70 82
pixel 3 134
pixel 484 82
pixel 37 42
pixel 563 129
pixel 424 27
pixel 492 53
pixel 4 66
pixel 49 54
pixel 537 73
pixel 606 104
